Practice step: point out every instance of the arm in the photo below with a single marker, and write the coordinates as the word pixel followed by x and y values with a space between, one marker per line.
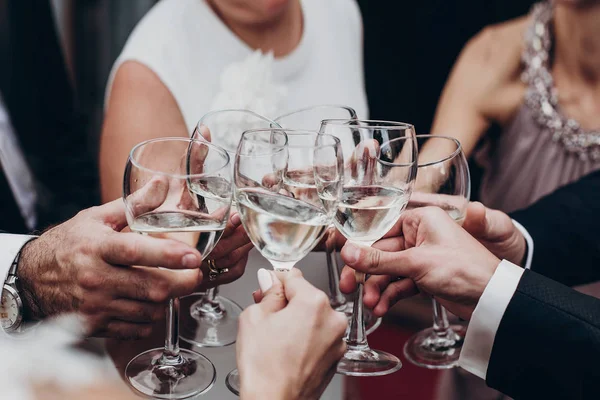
pixel 483 86
pixel 548 343
pixel 140 107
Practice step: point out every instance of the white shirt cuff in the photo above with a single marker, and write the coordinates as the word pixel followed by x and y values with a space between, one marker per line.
pixel 477 347
pixel 529 241
pixel 10 245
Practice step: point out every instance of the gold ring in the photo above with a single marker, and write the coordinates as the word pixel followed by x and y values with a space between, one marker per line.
pixel 213 271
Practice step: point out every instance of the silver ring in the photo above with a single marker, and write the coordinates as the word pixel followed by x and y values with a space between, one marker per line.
pixel 213 271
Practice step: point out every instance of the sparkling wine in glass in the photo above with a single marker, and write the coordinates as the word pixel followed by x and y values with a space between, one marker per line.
pixel 179 189
pixel 214 318
pixel 287 187
pixel 377 187
pixel 310 118
pixel 442 181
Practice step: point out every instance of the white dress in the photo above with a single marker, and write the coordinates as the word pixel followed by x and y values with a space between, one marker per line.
pixel 207 67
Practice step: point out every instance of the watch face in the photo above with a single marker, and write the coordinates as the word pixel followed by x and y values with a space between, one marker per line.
pixel 9 310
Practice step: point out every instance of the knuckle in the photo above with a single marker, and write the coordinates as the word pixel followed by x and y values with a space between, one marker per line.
pixel 160 291
pixel 91 279
pixel 320 300
pixel 131 252
pixel 339 323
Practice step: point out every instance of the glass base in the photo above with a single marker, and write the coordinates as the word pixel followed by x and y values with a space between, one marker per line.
pixel 371 322
pixel 368 362
pixel 427 350
pixel 189 376
pixel 233 382
pixel 209 326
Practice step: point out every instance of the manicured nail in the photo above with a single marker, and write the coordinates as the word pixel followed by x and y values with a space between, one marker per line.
pixel 191 261
pixel 235 219
pixel 265 281
pixel 351 253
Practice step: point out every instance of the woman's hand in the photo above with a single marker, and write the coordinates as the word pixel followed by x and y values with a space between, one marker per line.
pixel 289 343
pixel 231 252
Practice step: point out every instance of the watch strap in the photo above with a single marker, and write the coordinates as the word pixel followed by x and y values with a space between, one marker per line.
pixel 10 247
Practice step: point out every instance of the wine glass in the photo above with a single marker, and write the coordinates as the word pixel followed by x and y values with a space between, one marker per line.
pixel 287 187
pixel 180 189
pixel 310 118
pixel 375 192
pixel 443 181
pixel 215 318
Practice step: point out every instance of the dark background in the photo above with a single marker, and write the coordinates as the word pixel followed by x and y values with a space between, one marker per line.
pixel 410 47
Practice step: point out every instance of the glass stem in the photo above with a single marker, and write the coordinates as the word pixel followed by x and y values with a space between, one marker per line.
pixel 441 326
pixel 357 337
pixel 211 296
pixel 336 298
pixel 171 353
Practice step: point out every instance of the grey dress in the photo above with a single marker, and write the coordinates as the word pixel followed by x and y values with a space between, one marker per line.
pixel 539 151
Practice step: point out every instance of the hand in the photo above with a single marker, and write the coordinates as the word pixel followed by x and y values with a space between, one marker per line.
pixel 496 231
pixel 289 344
pixel 231 252
pixel 436 254
pixel 84 266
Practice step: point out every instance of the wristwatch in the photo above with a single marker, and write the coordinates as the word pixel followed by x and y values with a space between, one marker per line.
pixel 11 309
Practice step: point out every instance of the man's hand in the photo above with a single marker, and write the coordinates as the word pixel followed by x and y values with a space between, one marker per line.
pixel 231 252
pixel 496 231
pixel 436 255
pixel 289 344
pixel 85 265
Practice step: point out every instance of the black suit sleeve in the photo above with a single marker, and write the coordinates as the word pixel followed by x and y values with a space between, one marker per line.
pixel 548 343
pixel 565 227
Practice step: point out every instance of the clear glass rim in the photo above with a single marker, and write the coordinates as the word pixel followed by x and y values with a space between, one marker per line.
pixel 235 110
pixel 377 123
pixel 223 152
pixel 304 132
pixel 300 110
pixel 430 163
pixel 276 148
pixel 391 164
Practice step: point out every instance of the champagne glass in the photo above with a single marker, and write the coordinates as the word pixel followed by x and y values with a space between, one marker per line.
pixel 443 181
pixel 375 192
pixel 180 189
pixel 287 187
pixel 215 318
pixel 310 118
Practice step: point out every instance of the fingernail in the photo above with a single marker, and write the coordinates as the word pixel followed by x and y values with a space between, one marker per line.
pixel 190 261
pixel 265 281
pixel 235 219
pixel 351 253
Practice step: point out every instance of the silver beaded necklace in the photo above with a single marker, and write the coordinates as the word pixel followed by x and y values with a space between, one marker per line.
pixel 541 95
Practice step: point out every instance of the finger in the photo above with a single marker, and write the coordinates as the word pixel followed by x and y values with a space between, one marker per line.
pixel 124 330
pixel 234 222
pixel 147 196
pixel 377 262
pixel 347 280
pixel 273 298
pixel 202 133
pixel 127 310
pixel 237 239
pixel 374 286
pixel 475 220
pixel 135 249
pixel 395 292
pixel 151 284
pixel 296 286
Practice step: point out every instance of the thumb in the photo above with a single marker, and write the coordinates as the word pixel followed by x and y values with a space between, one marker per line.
pixel 273 294
pixel 112 214
pixel 476 219
pixel 377 262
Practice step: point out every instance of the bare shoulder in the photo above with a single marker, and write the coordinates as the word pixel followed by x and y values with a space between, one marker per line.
pixel 134 80
pixel 496 51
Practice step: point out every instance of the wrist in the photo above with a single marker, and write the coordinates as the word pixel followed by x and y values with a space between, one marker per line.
pixel 26 271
